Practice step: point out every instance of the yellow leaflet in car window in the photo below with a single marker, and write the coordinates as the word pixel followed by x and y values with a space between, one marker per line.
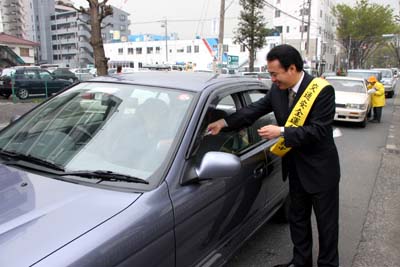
pixel 300 112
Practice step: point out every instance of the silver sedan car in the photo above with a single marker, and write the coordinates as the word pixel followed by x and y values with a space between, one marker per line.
pixel 121 171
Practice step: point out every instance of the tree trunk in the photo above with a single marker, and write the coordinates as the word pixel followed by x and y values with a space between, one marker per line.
pixel 100 60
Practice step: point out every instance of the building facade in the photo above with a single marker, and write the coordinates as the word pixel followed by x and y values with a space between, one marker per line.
pixel 12 18
pixel 70 36
pixel 200 52
pixel 16 51
pixel 309 26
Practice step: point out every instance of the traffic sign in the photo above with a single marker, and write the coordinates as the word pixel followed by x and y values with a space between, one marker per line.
pixel 233 61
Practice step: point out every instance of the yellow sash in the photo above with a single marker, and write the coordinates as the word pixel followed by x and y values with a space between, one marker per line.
pixel 300 112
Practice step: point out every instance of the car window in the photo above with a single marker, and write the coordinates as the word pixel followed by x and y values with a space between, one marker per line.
pixel 101 126
pixel 45 75
pixel 8 72
pixel 29 74
pixel 226 141
pixel 262 121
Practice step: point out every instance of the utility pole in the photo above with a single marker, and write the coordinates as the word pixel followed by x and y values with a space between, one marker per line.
pixel 302 28
pixel 308 28
pixel 221 35
pixel 164 25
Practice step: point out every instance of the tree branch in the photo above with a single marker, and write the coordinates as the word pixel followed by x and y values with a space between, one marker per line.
pixel 81 9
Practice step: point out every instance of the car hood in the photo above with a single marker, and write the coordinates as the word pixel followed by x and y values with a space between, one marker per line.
pixel 39 215
pixel 347 97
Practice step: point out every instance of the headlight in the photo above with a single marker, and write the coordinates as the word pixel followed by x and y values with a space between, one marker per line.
pixel 356 106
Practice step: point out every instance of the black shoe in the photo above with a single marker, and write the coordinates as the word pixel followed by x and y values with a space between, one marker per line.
pixel 373 121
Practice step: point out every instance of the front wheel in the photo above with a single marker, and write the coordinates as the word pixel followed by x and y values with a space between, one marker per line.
pixel 363 123
pixel 23 93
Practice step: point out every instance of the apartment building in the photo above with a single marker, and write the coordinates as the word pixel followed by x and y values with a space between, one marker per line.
pixel 12 18
pixel 309 26
pixel 70 36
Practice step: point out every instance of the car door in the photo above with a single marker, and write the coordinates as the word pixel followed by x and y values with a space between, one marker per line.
pixel 275 188
pixel 213 217
pixel 49 83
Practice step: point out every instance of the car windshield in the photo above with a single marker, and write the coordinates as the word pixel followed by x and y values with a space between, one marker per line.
pixel 350 86
pixel 127 129
pixel 386 73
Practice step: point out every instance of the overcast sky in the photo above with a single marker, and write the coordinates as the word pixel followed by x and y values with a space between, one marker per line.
pixel 189 18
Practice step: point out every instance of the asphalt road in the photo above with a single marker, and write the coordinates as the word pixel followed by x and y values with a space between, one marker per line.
pixel 360 152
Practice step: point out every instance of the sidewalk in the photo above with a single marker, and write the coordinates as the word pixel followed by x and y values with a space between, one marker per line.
pixel 380 241
pixel 8 109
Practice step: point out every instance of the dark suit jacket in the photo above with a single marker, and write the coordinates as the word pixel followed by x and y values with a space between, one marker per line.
pixel 313 156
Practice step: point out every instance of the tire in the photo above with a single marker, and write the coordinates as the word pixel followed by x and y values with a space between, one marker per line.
pixel 282 215
pixel 22 93
pixel 363 123
pixel 6 95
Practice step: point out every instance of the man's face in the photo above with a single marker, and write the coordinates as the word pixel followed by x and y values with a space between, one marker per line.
pixel 282 78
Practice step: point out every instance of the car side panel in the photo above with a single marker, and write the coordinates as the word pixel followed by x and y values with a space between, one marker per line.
pixel 141 235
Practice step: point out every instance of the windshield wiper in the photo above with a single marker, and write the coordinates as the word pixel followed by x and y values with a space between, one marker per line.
pixel 106 176
pixel 14 159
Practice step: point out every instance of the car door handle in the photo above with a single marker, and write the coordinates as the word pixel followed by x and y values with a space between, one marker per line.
pixel 260 171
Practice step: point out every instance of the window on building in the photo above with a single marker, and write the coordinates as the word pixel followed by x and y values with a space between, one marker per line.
pixel 54 47
pixel 278 29
pixel 24 52
pixel 278 1
pixel 149 50
pixel 287 29
pixel 180 50
pixel 122 28
pixel 277 13
pixel 138 50
pixel 225 48
pixel 304 12
pixel 122 17
pixel 189 49
pixel 303 28
pixel 320 13
pixel 158 50
pixel 130 51
pixel 196 49
pixel 120 51
pixel 242 48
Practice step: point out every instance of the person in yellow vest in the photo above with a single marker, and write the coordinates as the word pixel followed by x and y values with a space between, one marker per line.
pixel 377 92
pixel 309 155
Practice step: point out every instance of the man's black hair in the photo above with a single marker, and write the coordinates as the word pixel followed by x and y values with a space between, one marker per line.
pixel 286 55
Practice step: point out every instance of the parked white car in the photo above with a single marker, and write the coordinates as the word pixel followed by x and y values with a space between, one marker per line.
pixel 83 74
pixel 388 80
pixel 352 99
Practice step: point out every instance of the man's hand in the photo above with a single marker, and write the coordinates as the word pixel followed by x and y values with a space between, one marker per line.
pixel 269 131
pixel 215 127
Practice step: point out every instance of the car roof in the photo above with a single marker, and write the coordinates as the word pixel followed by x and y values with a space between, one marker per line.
pixel 362 70
pixel 192 81
pixel 344 78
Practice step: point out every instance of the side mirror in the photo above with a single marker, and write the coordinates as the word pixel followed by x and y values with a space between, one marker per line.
pixel 214 165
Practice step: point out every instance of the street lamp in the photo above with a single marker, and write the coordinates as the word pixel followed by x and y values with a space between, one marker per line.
pixel 164 25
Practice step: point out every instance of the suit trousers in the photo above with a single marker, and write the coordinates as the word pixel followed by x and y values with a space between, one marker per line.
pixel 326 209
pixel 377 113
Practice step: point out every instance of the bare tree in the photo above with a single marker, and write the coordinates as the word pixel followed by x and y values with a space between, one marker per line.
pixel 96 11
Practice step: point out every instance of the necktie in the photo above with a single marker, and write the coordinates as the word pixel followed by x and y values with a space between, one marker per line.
pixel 291 97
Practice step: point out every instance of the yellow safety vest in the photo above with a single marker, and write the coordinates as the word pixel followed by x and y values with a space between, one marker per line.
pixel 300 112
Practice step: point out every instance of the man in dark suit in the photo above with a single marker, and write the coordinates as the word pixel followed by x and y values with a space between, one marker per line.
pixel 312 164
